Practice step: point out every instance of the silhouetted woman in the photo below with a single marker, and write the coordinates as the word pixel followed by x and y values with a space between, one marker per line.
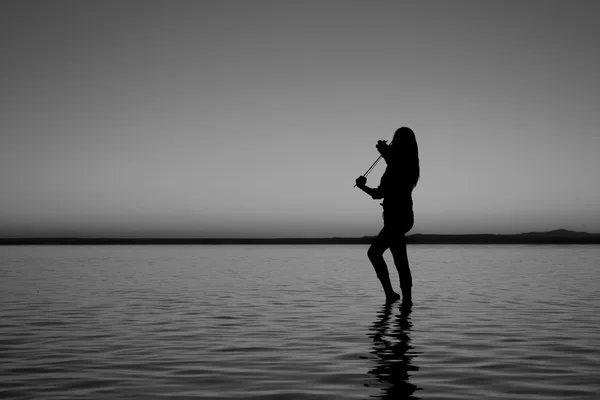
pixel 397 183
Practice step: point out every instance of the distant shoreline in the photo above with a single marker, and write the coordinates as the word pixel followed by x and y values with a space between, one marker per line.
pixel 560 236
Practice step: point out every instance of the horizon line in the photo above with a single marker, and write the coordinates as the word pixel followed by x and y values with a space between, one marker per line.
pixel 554 231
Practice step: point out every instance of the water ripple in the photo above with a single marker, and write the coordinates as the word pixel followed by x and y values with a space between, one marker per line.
pixel 297 322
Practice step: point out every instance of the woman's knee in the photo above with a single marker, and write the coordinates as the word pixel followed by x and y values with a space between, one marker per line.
pixel 374 253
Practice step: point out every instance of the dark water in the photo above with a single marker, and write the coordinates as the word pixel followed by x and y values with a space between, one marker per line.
pixel 297 322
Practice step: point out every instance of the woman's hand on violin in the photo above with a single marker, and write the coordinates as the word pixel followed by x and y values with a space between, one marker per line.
pixel 382 146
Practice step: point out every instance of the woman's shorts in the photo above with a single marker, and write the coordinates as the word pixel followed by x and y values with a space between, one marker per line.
pixel 398 222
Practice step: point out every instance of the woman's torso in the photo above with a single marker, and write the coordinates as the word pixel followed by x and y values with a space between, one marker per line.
pixel 397 199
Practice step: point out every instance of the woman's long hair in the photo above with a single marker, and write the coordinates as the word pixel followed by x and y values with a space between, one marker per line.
pixel 407 154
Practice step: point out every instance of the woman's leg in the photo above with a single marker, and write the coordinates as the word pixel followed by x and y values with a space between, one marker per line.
pixel 375 254
pixel 398 249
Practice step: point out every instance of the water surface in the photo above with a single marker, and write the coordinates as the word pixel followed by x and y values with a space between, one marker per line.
pixel 297 322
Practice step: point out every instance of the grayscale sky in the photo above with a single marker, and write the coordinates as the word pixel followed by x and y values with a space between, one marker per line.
pixel 254 118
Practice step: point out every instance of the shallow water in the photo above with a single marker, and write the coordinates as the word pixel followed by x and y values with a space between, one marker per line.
pixel 297 322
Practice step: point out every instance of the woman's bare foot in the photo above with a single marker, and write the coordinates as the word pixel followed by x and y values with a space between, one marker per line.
pixel 391 297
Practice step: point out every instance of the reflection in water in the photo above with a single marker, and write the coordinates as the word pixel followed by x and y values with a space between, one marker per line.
pixel 394 355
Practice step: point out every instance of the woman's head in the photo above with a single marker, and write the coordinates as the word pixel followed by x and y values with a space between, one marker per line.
pixel 405 143
pixel 404 138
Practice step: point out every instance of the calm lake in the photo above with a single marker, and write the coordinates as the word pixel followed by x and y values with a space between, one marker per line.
pixel 298 322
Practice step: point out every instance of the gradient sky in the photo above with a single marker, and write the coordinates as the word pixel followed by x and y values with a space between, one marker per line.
pixel 254 118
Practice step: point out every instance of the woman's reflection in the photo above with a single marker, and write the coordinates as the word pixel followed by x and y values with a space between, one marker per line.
pixel 394 355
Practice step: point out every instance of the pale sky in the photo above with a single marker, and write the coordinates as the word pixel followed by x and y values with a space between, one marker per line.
pixel 254 118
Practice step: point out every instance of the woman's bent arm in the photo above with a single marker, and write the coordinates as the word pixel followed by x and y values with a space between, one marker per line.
pixel 375 193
